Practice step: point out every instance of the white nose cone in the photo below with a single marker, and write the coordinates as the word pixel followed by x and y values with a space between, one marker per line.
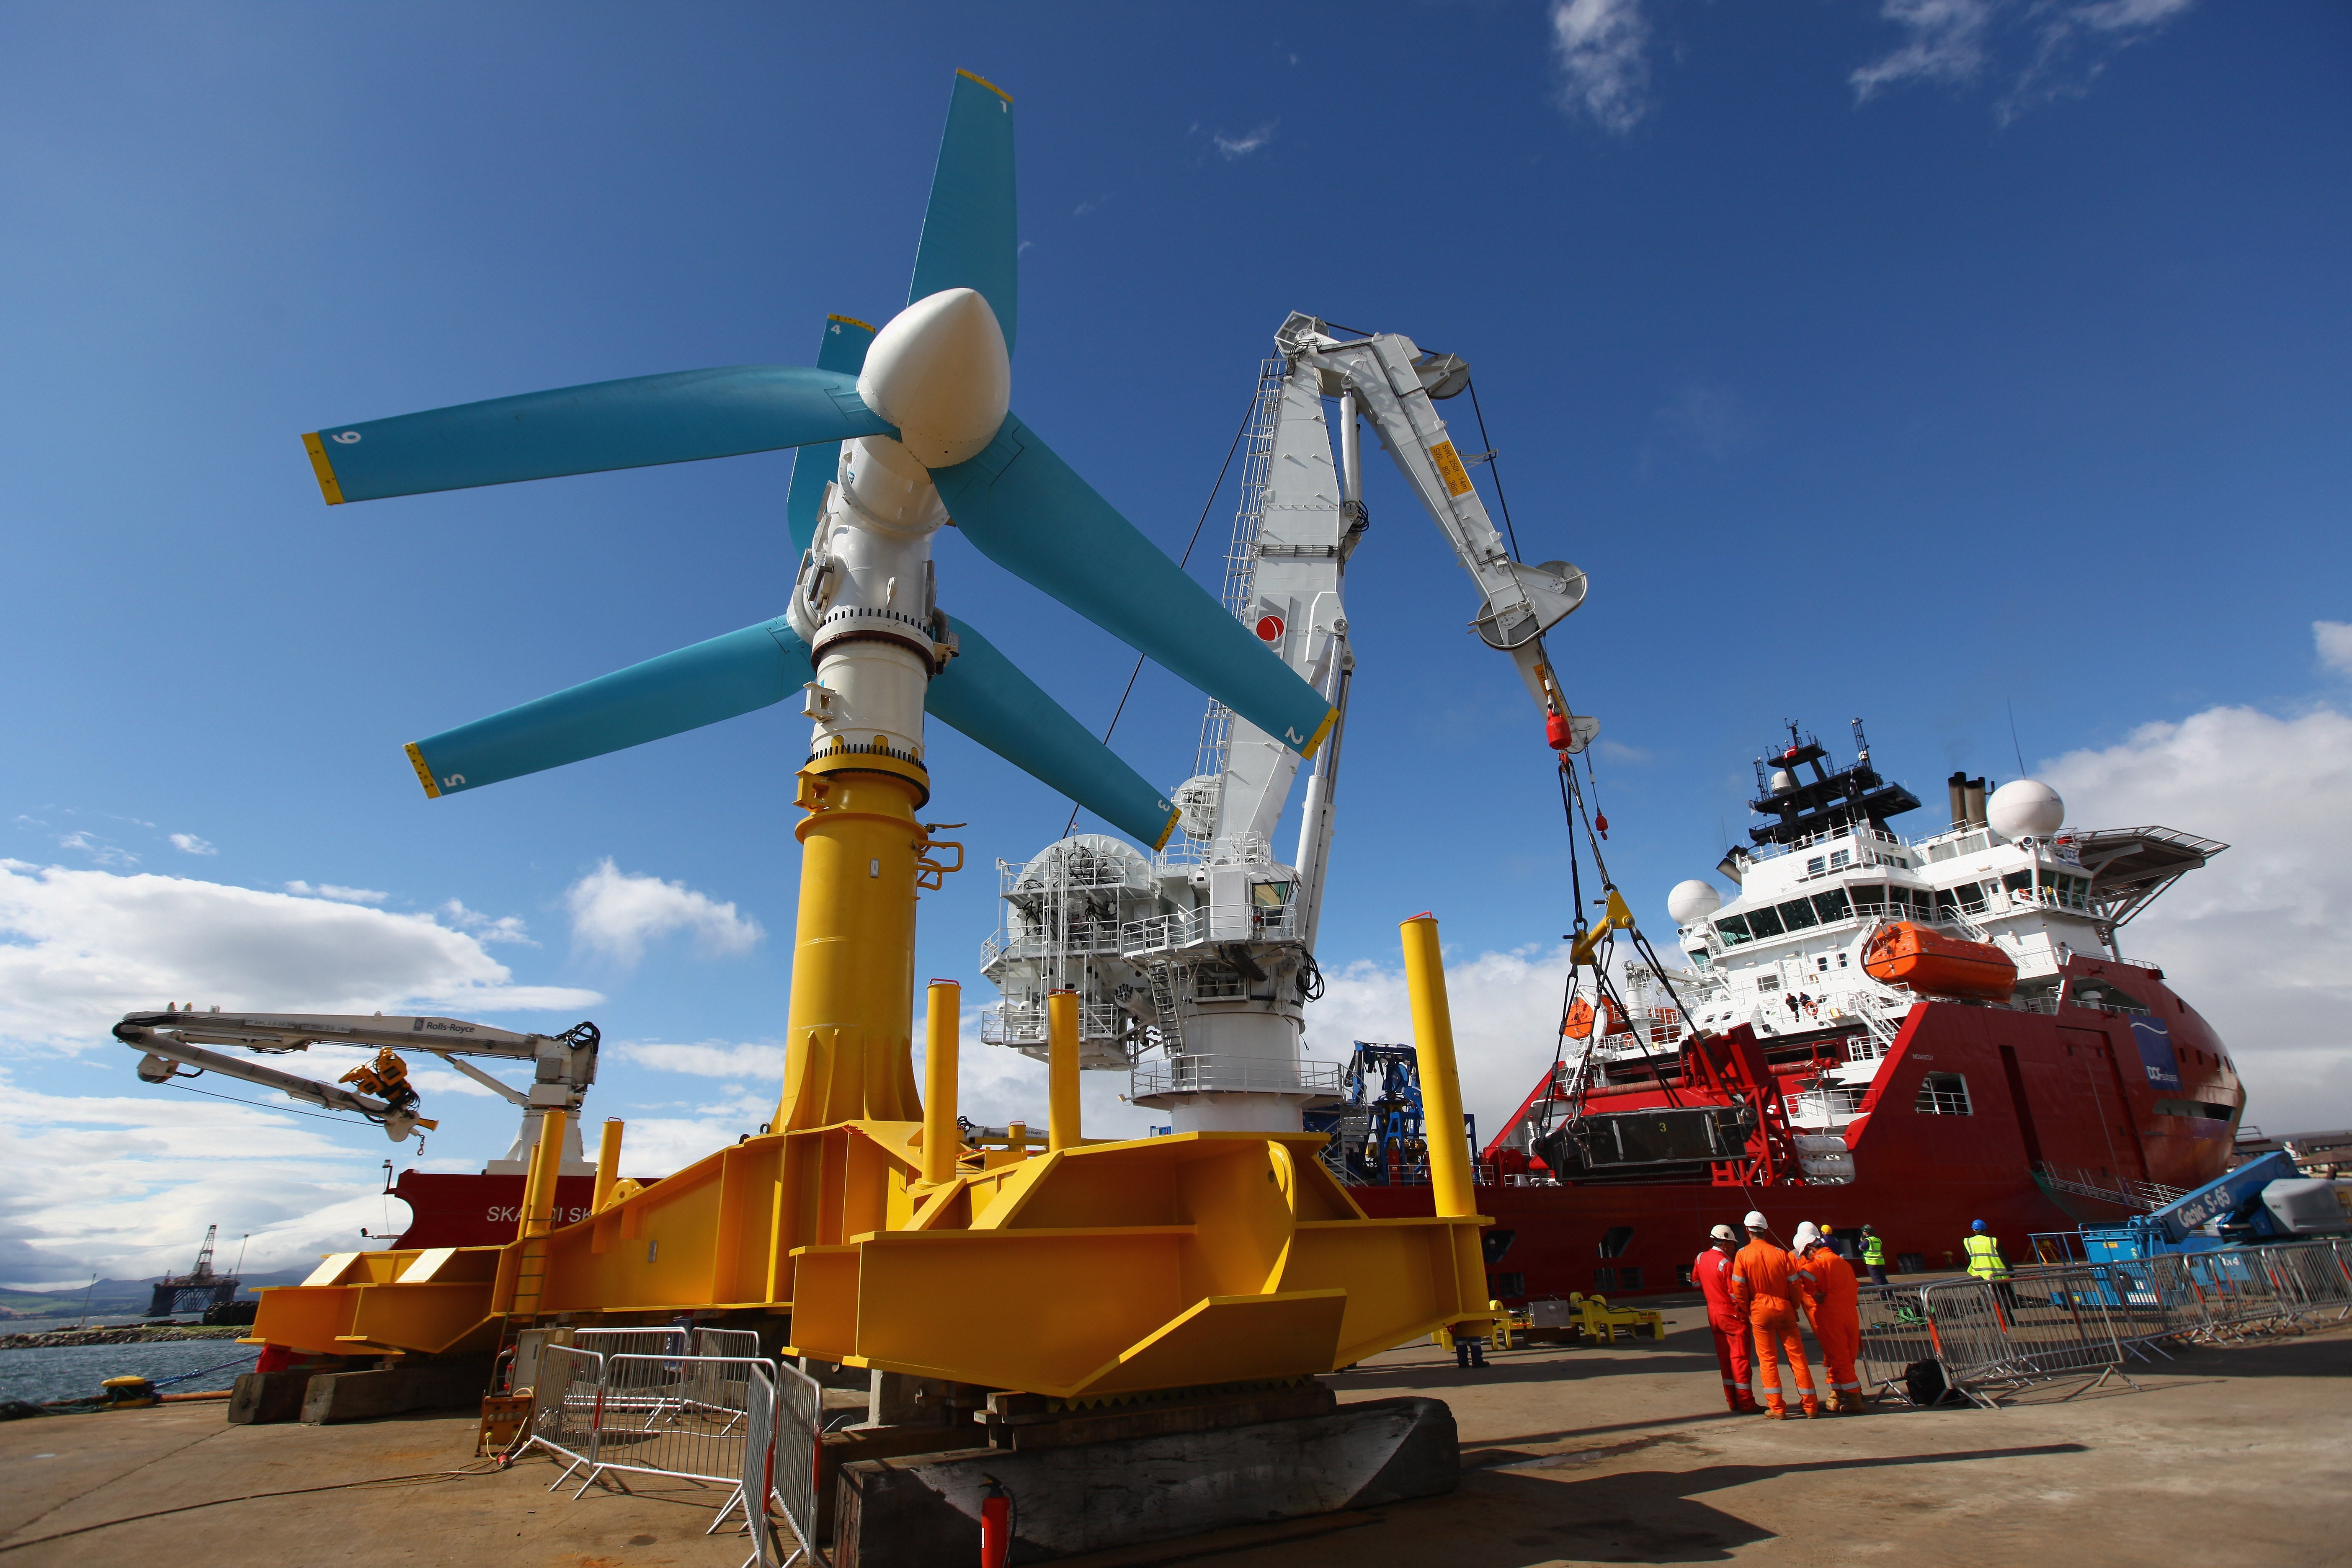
pixel 1692 900
pixel 2025 809
pixel 940 373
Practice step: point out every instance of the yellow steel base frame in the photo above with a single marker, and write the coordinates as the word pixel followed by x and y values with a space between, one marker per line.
pixel 1108 1269
pixel 1097 1268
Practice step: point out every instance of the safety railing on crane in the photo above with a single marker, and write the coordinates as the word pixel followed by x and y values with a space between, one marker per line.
pixel 1190 928
pixel 1212 1074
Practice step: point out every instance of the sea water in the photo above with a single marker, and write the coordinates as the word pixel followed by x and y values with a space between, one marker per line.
pixel 74 1372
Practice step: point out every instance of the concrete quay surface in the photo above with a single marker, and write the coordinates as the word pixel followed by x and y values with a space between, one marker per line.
pixel 2239 1455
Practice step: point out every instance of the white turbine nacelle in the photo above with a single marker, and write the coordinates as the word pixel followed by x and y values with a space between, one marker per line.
pixel 940 372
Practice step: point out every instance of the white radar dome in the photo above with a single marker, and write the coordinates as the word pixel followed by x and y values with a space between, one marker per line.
pixel 1783 781
pixel 2025 809
pixel 1692 900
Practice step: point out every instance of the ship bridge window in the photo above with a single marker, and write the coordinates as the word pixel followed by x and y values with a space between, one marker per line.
pixel 1733 929
pixel 1269 895
pixel 1796 914
pixel 1943 1094
pixel 1764 922
pixel 1832 907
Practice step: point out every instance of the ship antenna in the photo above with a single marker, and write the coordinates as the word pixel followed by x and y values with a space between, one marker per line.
pixel 2013 737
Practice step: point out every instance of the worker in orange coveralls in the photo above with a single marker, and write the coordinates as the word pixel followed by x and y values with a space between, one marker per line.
pixel 1767 1285
pixel 1726 1322
pixel 1836 1306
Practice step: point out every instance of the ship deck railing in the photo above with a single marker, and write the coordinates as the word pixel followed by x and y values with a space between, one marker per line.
pixel 2120 1190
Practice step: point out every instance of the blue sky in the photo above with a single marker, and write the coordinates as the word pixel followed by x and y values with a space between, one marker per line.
pixel 1925 363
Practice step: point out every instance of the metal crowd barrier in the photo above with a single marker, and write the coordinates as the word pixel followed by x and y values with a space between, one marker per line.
pixel 780 1465
pixel 2039 1322
pixel 669 1340
pixel 737 1419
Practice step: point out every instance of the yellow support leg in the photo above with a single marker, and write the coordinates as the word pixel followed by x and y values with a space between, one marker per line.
pixel 1450 1180
pixel 941 1139
pixel 1061 1070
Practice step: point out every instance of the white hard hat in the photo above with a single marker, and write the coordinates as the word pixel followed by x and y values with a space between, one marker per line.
pixel 1755 1220
pixel 1723 1233
pixel 1807 1234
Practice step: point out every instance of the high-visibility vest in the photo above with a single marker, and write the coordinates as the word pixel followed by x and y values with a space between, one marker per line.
pixel 1874 1252
pixel 1984 1257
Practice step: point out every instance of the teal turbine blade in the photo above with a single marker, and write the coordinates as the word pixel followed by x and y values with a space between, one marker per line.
pixel 1029 511
pixel 842 352
pixel 634 423
pixel 718 679
pixel 980 693
pixel 969 239
pixel 984 695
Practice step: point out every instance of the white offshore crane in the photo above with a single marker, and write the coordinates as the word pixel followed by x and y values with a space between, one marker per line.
pixel 1193 968
pixel 562 1066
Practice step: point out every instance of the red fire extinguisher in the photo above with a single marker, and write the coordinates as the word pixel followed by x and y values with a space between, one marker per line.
pixel 996 1521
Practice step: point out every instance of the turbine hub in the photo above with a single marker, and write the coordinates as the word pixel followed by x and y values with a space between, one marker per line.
pixel 940 372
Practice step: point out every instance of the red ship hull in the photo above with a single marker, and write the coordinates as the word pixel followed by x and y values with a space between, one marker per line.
pixel 455 1209
pixel 2116 1096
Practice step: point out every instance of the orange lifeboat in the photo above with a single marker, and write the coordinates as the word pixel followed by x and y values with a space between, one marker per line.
pixel 1905 953
pixel 1579 1023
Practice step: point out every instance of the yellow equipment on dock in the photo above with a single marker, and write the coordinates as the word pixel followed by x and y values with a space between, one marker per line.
pixel 1097 1268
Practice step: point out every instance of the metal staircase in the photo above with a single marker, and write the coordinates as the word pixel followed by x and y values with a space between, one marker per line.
pixel 1163 1003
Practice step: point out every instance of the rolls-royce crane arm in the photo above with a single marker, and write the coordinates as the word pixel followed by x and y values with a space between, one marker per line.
pixel 563 1065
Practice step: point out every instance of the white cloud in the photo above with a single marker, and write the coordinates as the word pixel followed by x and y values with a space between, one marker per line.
pixel 2335 640
pixel 1947 44
pixel 78 948
pixel 506 928
pixel 430 1081
pixel 301 889
pixel 2066 47
pixel 127 1186
pixel 188 843
pixel 1242 146
pixel 2260 940
pixel 104 851
pixel 710 1058
pixel 1603 61
pixel 1506 1009
pixel 616 913
pixel 2074 43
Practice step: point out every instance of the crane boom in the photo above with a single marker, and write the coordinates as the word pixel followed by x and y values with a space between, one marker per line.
pixel 563 1065
pixel 1389 380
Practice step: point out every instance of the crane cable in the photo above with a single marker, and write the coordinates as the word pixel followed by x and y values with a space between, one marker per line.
pixel 1256 395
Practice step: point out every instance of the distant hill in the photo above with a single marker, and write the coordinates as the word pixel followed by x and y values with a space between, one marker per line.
pixel 113 1298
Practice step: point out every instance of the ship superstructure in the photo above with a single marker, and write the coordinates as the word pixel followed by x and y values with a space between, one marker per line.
pixel 1910 1032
